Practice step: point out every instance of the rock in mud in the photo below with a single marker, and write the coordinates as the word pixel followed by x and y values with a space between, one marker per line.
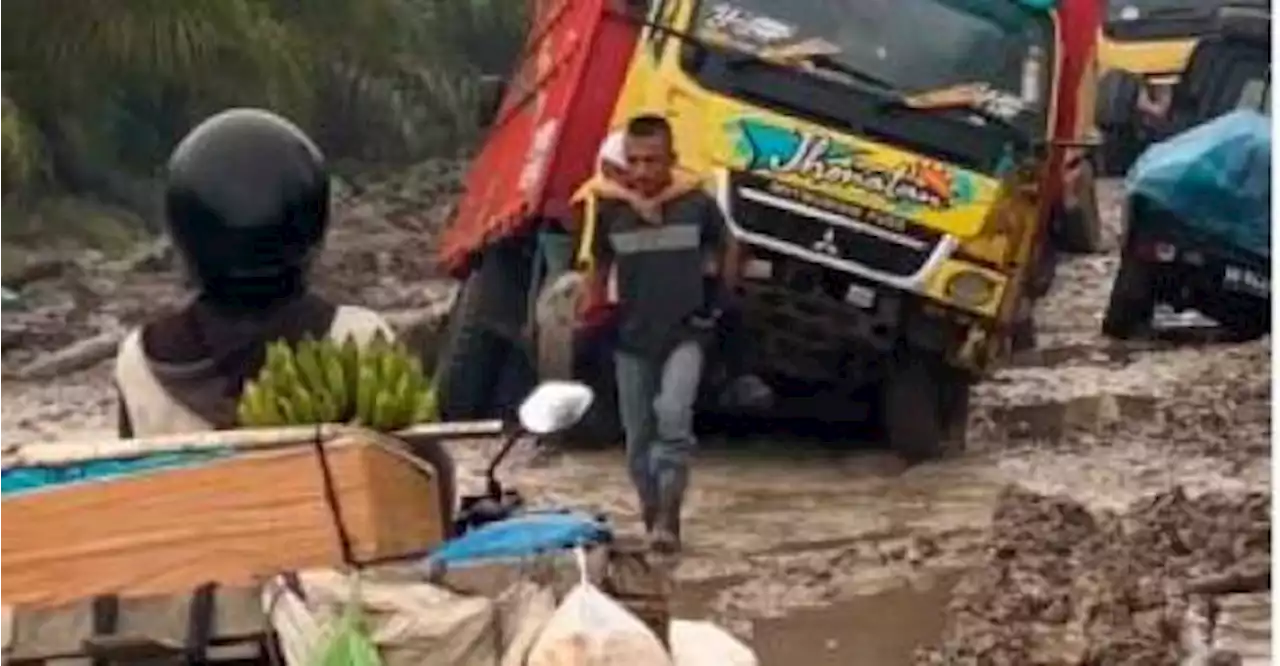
pixel 1061 585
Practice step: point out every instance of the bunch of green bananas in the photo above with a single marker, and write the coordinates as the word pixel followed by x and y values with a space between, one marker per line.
pixel 380 386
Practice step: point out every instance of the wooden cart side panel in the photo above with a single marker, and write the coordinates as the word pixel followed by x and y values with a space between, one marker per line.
pixel 231 521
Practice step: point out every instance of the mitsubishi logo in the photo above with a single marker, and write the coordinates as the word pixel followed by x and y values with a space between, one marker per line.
pixel 827 244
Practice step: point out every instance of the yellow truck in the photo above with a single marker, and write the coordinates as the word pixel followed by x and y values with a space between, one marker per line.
pixel 1152 39
pixel 892 194
pixel 893 170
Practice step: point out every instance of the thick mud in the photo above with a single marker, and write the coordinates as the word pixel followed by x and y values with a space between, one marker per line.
pixel 1059 584
pixel 1109 494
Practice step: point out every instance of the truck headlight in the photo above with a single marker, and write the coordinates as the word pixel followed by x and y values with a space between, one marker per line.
pixel 970 289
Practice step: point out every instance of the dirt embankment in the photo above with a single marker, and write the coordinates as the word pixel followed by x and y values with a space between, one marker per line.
pixel 1059 585
pixel 380 253
pixel 1068 579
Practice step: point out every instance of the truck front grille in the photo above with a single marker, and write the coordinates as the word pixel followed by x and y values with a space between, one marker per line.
pixel 804 225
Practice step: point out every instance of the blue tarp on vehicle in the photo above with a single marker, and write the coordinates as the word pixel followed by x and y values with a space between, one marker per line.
pixel 1215 177
pixel 524 535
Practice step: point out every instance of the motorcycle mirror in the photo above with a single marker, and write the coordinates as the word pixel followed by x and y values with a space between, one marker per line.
pixel 555 406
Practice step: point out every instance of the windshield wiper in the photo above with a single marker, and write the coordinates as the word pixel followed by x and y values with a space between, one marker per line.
pixel 830 64
pixel 1163 13
pixel 812 64
pixel 966 101
pixel 1173 12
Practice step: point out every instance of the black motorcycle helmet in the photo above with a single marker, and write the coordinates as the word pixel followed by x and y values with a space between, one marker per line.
pixel 247 205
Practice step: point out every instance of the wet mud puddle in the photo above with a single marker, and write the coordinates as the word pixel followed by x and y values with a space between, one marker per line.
pixel 821 556
pixel 866 630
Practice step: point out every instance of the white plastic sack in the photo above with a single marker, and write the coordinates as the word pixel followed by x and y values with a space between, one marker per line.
pixel 412 623
pixel 590 629
pixel 705 644
pixel 523 610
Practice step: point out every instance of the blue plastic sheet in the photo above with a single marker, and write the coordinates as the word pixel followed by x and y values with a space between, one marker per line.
pixel 524 535
pixel 19 480
pixel 1215 177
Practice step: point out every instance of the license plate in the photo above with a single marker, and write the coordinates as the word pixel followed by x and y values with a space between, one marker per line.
pixel 860 296
pixel 1235 278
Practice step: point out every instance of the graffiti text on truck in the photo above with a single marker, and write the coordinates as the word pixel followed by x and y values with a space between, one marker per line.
pixel 824 161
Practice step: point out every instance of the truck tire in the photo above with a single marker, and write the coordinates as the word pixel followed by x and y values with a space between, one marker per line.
pixel 1117 153
pixel 470 359
pixel 1117 103
pixel 924 407
pixel 1044 270
pixel 1023 335
pixel 1132 302
pixel 556 316
pixel 567 352
pixel 1080 230
pixel 602 425
pixel 955 403
pixel 1248 326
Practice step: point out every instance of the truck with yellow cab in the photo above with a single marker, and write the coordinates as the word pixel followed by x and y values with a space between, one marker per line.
pixel 894 195
pixel 1152 39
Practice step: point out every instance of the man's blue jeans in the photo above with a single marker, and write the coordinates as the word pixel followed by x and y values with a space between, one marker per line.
pixel 655 400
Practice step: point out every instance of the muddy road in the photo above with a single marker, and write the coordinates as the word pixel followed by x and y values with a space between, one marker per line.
pixel 1112 507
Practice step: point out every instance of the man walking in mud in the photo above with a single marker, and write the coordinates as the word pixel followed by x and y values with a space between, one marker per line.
pixel 668 272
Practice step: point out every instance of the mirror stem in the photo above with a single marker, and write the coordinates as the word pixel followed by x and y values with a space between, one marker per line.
pixel 494 489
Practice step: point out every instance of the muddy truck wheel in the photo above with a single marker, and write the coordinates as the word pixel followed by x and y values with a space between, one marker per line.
pixel 1080 226
pixel 479 373
pixel 1245 326
pixel 1116 115
pixel 567 352
pixel 556 315
pixel 924 408
pixel 485 368
pixel 1132 302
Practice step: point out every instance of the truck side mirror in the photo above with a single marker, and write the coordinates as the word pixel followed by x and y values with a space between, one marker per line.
pixel 490 89
pixel 1117 100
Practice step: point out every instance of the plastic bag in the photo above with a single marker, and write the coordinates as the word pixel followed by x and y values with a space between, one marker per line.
pixel 705 644
pixel 523 610
pixel 349 644
pixel 410 622
pixel 590 629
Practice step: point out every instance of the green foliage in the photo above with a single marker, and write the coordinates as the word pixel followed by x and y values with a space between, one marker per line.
pixel 21 158
pixel 94 86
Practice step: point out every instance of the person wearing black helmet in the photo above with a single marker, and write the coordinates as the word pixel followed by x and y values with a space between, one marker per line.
pixel 247 207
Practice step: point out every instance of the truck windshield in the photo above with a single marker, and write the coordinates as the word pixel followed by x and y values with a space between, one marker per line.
pixel 1137 20
pixel 913 45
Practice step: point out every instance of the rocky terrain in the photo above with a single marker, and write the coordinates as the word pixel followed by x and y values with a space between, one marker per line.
pixel 1112 507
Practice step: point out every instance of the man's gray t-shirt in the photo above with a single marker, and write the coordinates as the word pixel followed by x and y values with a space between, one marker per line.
pixel 659 267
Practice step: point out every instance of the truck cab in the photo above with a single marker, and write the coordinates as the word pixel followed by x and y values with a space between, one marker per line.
pixel 1152 39
pixel 894 194
pixel 1198 236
